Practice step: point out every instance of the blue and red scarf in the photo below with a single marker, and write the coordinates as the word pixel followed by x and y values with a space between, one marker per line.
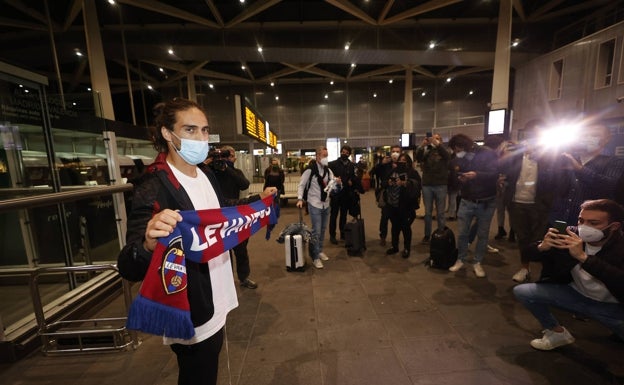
pixel 162 306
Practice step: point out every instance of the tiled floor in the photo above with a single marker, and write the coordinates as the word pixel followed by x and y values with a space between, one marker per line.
pixel 365 321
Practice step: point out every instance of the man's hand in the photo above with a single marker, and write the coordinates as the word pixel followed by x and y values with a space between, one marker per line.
pixel 466 176
pixel 300 203
pixel 268 192
pixel 161 225
pixel 573 164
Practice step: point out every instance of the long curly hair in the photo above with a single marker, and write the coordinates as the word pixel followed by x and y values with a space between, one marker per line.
pixel 165 116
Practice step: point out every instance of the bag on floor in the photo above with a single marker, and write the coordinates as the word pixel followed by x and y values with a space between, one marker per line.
pixel 295 249
pixel 442 249
pixel 354 237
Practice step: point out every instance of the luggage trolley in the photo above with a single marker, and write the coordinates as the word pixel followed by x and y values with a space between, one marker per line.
pixel 82 335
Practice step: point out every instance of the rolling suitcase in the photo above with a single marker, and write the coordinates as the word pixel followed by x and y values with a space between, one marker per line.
pixel 295 252
pixel 354 237
pixel 442 249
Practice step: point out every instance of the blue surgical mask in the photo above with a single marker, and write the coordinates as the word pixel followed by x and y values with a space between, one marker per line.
pixel 192 151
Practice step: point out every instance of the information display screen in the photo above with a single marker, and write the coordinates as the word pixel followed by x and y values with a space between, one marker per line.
pixel 249 122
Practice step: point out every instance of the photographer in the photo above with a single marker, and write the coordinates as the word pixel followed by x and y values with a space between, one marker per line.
pixel 584 272
pixel 403 188
pixel 232 182
pixel 585 173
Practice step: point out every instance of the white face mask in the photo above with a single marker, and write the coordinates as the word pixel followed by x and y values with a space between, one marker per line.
pixel 324 162
pixel 592 144
pixel 395 156
pixel 592 234
pixel 460 154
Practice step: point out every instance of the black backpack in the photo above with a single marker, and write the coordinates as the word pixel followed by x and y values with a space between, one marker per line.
pixel 442 249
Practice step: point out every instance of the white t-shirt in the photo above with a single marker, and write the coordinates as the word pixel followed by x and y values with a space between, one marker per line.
pixel 587 284
pixel 203 196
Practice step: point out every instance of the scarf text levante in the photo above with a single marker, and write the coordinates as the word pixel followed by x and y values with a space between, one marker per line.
pixel 162 306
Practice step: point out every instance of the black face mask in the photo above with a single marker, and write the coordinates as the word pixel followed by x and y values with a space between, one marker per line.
pixel 344 157
pixel 275 168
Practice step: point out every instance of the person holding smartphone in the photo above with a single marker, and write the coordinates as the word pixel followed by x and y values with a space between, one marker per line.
pixel 434 161
pixel 584 269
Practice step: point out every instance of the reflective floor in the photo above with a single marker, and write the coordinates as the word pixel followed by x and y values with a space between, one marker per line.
pixel 371 320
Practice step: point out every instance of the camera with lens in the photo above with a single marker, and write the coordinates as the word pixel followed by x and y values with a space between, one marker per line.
pixel 219 158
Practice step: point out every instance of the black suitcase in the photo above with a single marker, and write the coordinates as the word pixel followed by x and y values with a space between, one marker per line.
pixel 442 249
pixel 354 237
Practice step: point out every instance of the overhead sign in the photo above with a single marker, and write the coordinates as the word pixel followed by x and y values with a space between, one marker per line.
pixel 249 122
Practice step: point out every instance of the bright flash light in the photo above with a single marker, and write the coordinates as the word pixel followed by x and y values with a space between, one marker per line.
pixel 559 136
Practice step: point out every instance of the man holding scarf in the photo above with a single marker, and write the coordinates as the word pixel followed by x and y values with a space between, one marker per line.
pixel 172 183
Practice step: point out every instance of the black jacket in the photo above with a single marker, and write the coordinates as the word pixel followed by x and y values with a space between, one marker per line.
pixel 485 163
pixel 154 191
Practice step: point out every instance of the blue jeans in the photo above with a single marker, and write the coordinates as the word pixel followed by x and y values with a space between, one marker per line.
pixel 439 194
pixel 483 213
pixel 319 218
pixel 538 297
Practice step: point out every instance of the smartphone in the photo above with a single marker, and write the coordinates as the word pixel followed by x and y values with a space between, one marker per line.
pixel 561 226
pixel 428 135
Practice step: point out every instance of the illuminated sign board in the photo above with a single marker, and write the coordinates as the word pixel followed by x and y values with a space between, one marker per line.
pixel 249 122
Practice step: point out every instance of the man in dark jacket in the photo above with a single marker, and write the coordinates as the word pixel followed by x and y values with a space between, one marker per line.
pixel 478 177
pixel 583 274
pixel 528 185
pixel 232 181
pixel 345 199
pixel 434 161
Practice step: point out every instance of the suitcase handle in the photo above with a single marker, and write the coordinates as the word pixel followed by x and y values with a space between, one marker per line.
pixel 300 215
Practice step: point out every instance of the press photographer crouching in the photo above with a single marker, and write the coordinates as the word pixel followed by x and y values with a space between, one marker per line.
pixel 232 181
pixel 583 274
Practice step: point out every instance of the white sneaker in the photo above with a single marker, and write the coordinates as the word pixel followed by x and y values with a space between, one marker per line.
pixel 478 269
pixel 522 275
pixel 457 266
pixel 491 249
pixel 323 256
pixel 552 340
pixel 317 263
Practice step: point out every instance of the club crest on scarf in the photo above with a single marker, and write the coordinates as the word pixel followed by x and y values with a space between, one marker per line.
pixel 173 271
pixel 162 306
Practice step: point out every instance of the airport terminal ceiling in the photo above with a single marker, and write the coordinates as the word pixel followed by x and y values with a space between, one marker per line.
pixel 301 40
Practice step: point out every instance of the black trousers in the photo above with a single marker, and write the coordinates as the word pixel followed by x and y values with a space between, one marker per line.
pixel 401 222
pixel 198 364
pixel 336 206
pixel 383 223
pixel 242 260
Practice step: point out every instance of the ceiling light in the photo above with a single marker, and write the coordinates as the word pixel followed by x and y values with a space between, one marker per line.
pixel 423 93
pixel 347 46
pixel 448 80
pixel 276 97
pixel 374 94
pixel 243 68
pixel 170 50
pixel 211 86
pixel 331 82
pixel 74 103
pixel 326 96
pixel 161 69
pixel 272 84
pixel 390 81
pixel 111 2
pixel 515 42
pixel 242 1
pixel 149 87
pixel 78 52
pixel 89 89
pixel 471 92
pixel 352 65
pixel 432 45
pixel 260 49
